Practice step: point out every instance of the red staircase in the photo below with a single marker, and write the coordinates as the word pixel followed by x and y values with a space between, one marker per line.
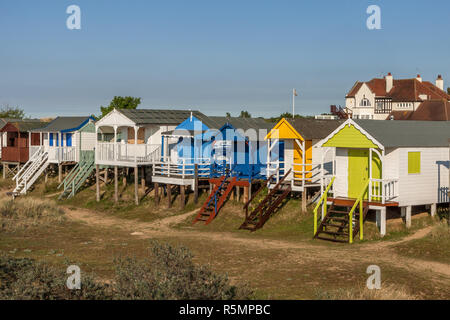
pixel 267 206
pixel 215 200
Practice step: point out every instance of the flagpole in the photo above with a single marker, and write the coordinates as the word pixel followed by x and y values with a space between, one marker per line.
pixel 293 103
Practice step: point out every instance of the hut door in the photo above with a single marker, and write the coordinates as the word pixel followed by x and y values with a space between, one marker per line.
pixel 358 171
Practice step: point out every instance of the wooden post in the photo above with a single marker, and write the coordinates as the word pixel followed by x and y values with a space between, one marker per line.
pixel 4 171
pixel 304 200
pixel 124 177
pixel 196 183
pixel 246 198
pixel 157 193
pixel 169 196
pixel 97 182
pixel 46 176
pixel 143 179
pixel 136 185
pixel 116 184
pixel 59 173
pixel 182 196
pixel 433 209
pixel 406 212
pixel 106 176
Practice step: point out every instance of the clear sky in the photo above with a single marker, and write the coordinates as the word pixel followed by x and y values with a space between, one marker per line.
pixel 214 56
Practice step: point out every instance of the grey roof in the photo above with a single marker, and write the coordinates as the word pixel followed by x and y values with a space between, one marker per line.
pixel 27 124
pixel 392 133
pixel 4 121
pixel 243 123
pixel 159 116
pixel 311 129
pixel 63 123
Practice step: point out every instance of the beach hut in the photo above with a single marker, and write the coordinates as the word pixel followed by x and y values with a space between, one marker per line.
pixel 133 139
pixel 16 142
pixel 381 164
pixel 61 144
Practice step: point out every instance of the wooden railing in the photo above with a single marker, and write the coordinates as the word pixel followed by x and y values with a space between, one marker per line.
pixel 63 154
pixel 383 190
pixel 184 168
pixel 139 153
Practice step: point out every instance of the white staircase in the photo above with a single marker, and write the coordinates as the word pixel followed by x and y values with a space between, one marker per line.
pixel 30 172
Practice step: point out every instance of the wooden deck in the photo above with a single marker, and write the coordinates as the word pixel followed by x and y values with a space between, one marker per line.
pixel 348 202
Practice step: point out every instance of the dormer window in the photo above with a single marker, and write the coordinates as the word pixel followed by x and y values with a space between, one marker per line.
pixel 365 102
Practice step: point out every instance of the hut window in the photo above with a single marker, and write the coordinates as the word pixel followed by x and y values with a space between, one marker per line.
pixel 413 162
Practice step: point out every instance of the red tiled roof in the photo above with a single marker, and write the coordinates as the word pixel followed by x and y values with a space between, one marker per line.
pixel 431 110
pixel 402 90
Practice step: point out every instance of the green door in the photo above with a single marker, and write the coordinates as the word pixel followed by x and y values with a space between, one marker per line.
pixel 358 171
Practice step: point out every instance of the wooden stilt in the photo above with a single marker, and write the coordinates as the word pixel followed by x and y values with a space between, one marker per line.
pixel 143 179
pixel 196 184
pixel 106 176
pixel 238 193
pixel 97 182
pixel 182 196
pixel 169 195
pixel 46 176
pixel 116 184
pixel 304 201
pixel 246 198
pixel 4 171
pixel 136 185
pixel 157 193
pixel 59 173
pixel 124 177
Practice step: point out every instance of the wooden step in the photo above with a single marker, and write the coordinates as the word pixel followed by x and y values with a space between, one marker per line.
pixel 331 239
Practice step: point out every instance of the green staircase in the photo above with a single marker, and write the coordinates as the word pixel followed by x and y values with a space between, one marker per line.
pixel 79 174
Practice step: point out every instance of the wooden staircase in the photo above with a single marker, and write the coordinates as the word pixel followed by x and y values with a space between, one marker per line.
pixel 336 225
pixel 78 176
pixel 30 172
pixel 216 200
pixel 267 206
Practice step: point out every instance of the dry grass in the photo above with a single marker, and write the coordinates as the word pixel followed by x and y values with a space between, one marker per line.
pixel 25 213
pixel 387 292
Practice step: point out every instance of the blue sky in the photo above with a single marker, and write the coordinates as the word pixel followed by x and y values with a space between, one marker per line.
pixel 214 56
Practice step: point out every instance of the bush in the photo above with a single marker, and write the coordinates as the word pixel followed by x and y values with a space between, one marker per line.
pixel 25 279
pixel 168 274
pixel 25 213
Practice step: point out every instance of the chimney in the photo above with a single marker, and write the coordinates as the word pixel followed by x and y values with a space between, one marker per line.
pixel 440 82
pixel 419 78
pixel 389 82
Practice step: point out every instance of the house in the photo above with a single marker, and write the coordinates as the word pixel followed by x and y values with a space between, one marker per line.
pixel 383 164
pixel 431 110
pixel 16 142
pixel 218 147
pixel 289 141
pixel 62 142
pixel 133 139
pixel 382 98
pixel 3 122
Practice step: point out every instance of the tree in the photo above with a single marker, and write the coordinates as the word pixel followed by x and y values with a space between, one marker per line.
pixel 13 113
pixel 245 114
pixel 228 115
pixel 121 103
pixel 448 90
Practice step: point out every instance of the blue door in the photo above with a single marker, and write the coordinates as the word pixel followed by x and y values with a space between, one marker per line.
pixel 68 139
pixel 50 140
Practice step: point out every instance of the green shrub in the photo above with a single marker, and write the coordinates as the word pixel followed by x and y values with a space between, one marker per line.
pixel 25 279
pixel 168 274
